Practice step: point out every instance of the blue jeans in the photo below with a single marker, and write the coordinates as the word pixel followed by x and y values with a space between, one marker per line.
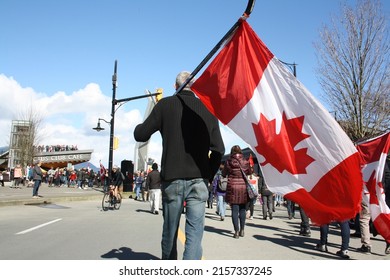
pixel 278 199
pixel 138 191
pixel 195 193
pixel 37 183
pixel 345 234
pixel 221 205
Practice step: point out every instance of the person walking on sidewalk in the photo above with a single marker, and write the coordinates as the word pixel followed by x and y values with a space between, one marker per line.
pixel 268 201
pixel 153 183
pixel 1 179
pixel 37 177
pixel 219 187
pixel 345 236
pixel 236 193
pixel 192 151
pixel 18 176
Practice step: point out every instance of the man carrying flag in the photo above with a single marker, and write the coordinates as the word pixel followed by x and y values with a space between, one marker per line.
pixel 303 152
pixel 374 153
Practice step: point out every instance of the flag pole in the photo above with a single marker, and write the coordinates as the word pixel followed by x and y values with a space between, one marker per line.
pixel 245 15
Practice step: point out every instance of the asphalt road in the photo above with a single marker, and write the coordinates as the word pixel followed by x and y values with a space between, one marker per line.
pixel 80 230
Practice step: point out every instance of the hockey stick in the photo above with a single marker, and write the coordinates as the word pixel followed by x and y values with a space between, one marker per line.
pixel 245 15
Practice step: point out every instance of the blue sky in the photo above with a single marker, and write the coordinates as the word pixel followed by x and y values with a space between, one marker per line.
pixel 58 58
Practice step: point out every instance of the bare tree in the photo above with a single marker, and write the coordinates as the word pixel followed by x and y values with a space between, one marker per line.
pixel 27 136
pixel 353 56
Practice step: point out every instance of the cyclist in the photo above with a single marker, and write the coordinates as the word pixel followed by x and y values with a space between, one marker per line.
pixel 116 181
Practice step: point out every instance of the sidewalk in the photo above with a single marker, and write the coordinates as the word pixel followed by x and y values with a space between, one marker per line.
pixel 23 195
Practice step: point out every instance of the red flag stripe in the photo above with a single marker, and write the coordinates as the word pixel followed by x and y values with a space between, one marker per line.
pixel 237 78
pixel 372 149
pixel 373 153
pixel 327 200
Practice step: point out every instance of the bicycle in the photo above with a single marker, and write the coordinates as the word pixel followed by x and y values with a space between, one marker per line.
pixel 110 201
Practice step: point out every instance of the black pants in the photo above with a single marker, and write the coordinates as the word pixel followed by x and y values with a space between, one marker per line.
pixel 304 219
pixel 268 204
pixel 238 216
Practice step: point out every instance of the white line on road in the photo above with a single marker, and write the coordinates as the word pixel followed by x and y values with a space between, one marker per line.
pixel 39 226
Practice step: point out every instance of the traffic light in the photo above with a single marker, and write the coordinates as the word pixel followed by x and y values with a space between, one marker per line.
pixel 159 95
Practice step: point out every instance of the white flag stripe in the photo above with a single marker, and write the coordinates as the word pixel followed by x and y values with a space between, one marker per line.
pixel 271 102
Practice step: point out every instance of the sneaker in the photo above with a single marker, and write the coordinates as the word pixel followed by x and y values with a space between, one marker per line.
pixel 305 232
pixel 387 250
pixel 365 249
pixel 321 248
pixel 343 254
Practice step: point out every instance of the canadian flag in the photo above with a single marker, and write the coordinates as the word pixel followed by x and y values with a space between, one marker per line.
pixel 303 152
pixel 374 153
pixel 102 171
pixel 251 162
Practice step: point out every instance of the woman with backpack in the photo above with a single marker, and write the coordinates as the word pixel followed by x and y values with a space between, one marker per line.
pixel 219 190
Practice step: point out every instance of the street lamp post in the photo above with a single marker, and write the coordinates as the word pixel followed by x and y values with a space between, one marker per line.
pixel 115 102
pixel 111 122
pixel 111 149
pixel 292 66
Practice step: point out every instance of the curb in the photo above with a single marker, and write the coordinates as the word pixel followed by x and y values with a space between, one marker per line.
pixel 56 199
pixel 48 200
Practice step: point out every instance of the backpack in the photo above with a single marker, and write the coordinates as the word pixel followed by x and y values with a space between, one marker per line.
pixel 30 174
pixel 222 183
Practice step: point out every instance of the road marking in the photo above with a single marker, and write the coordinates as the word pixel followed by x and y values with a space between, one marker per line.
pixel 39 226
pixel 182 238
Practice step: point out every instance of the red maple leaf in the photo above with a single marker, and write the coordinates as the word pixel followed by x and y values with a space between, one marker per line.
pixel 371 187
pixel 279 149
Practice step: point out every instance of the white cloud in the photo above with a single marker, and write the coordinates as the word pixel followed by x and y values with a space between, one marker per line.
pixel 68 119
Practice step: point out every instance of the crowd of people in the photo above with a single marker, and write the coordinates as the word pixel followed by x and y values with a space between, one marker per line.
pixel 191 179
pixel 234 197
pixel 55 148
pixel 81 178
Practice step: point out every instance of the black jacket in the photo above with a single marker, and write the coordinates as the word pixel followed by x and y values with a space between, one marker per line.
pixel 189 131
pixel 37 173
pixel 117 178
pixel 153 180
